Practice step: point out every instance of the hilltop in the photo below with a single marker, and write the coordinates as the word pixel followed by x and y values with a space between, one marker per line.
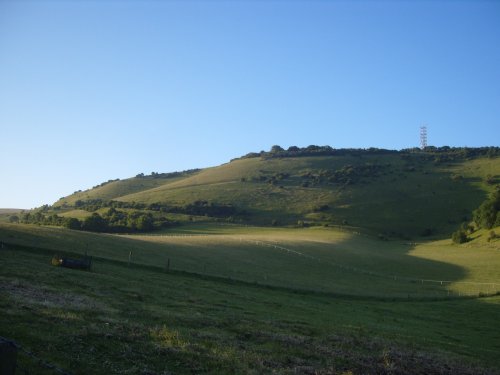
pixel 394 194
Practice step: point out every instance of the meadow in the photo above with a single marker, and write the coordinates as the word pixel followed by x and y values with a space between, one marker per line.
pixel 233 299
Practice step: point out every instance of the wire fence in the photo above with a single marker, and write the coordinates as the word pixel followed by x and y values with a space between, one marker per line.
pixel 441 288
pixel 422 287
pixel 475 288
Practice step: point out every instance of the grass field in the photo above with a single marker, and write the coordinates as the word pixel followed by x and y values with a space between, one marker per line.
pixel 317 283
pixel 316 259
pixel 139 318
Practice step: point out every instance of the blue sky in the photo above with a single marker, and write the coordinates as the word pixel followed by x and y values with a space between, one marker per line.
pixel 98 90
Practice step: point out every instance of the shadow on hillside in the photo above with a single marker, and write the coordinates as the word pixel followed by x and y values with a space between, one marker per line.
pixel 429 202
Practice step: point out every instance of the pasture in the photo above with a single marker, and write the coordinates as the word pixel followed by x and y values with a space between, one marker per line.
pixel 231 302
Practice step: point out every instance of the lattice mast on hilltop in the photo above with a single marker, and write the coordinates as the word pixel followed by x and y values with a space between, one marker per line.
pixel 423 137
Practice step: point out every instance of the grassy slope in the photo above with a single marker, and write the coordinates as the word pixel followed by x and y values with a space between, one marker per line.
pixel 120 319
pixel 321 260
pixel 117 189
pixel 407 198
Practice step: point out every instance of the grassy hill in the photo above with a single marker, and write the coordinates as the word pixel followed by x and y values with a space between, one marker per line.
pixel 394 194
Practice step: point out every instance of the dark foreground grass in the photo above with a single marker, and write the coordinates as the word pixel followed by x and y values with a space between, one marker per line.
pixel 140 320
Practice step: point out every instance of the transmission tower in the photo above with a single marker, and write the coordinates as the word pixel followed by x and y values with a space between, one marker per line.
pixel 423 137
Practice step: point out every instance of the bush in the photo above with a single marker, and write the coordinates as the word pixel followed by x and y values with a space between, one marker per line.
pixel 486 216
pixel 73 223
pixel 14 219
pixel 460 236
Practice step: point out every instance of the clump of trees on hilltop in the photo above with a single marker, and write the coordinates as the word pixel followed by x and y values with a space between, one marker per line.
pixel 436 154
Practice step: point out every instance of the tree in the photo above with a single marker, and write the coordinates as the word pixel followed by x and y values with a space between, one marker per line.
pixel 73 223
pixel 14 219
pixel 275 149
pixel 486 216
pixel 459 236
pixel 145 223
pixel 95 223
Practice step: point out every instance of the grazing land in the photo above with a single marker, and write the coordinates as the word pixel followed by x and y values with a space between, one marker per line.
pixel 331 305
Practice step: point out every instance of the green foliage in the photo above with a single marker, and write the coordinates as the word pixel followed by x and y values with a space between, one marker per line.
pixel 13 219
pixel 95 223
pixel 487 215
pixel 437 154
pixel 459 236
pixel 276 149
pixel 73 223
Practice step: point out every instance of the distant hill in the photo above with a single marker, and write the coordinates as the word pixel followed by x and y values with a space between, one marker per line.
pixel 10 210
pixel 401 194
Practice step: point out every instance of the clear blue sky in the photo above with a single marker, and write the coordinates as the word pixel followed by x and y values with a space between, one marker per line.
pixel 97 90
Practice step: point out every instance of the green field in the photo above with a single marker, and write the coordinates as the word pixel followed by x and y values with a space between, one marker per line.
pixel 232 302
pixel 316 259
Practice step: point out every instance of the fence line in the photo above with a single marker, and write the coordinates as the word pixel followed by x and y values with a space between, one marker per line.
pixel 371 273
pixel 491 285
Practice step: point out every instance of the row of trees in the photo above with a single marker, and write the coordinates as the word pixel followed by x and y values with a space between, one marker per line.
pixel 126 217
pixel 313 150
pixel 168 175
pixel 438 154
pixel 199 207
pixel 113 221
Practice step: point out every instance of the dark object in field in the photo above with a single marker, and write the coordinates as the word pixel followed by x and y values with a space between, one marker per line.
pixel 8 357
pixel 81 264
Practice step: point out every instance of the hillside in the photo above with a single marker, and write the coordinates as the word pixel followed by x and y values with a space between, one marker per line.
pixel 396 194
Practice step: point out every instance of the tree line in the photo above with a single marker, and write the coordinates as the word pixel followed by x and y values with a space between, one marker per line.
pixel 437 154
pixel 112 221
pixel 125 217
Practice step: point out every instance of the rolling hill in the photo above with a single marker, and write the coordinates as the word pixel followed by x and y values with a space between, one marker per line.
pixel 397 194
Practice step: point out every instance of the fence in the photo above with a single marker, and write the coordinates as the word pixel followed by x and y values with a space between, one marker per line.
pixel 487 288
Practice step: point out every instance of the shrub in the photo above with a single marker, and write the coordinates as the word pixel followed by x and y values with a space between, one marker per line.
pixel 460 236
pixel 486 216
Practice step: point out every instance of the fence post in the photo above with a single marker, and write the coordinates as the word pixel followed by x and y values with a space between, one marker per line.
pixel 8 357
pixel 129 257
